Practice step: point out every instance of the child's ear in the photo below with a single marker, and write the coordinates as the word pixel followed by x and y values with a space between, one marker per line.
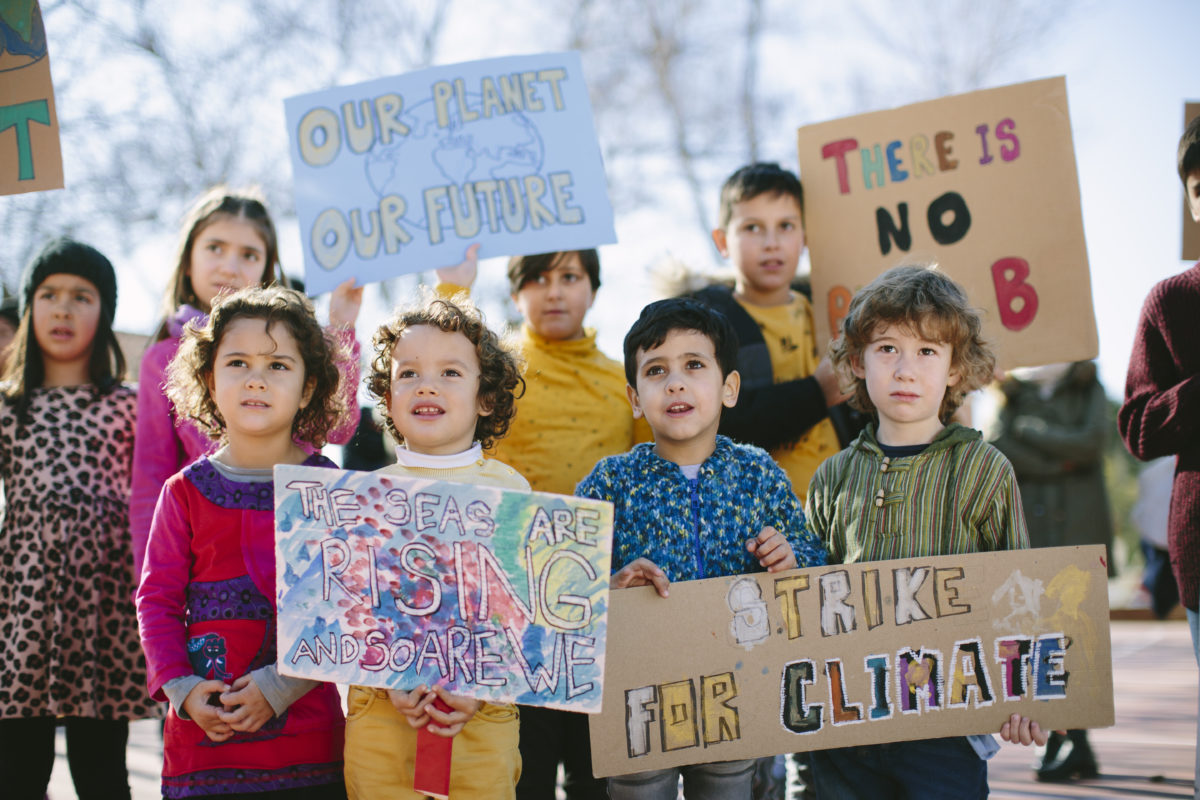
pixel 482 409
pixel 857 368
pixel 729 392
pixel 310 386
pixel 633 401
pixel 722 243
pixel 953 378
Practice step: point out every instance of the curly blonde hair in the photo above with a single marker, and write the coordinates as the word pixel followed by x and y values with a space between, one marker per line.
pixel 500 381
pixel 191 369
pixel 930 305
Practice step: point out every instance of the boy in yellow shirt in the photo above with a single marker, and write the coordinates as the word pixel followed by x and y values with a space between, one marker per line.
pixel 787 390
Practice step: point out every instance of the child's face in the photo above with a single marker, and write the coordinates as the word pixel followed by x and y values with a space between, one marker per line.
pixel 258 380
pixel 680 392
pixel 907 377
pixel 1193 193
pixel 66 311
pixel 434 396
pixel 763 241
pixel 229 254
pixel 554 305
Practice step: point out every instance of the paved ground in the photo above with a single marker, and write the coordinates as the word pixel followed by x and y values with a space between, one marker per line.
pixel 1149 753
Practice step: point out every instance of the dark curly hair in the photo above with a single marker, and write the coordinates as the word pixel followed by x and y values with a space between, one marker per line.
pixel 930 305
pixel 189 372
pixel 500 381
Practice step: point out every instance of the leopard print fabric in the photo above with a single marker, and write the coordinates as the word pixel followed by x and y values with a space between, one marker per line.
pixel 68 630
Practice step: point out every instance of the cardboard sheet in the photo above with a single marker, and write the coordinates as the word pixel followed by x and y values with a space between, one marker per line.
pixel 984 184
pixel 753 665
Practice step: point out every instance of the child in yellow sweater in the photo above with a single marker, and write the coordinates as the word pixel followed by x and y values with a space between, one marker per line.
pixel 574 412
pixel 448 388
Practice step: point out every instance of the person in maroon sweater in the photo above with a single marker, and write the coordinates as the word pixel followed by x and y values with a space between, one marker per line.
pixel 1161 412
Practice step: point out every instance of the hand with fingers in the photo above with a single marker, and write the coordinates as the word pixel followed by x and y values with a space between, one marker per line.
pixel 245 708
pixel 772 550
pixel 203 705
pixel 641 572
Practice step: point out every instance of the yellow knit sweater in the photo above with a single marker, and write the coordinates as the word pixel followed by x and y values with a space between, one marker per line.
pixel 574 412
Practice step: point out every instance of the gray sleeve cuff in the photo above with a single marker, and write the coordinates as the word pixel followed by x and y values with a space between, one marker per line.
pixel 280 690
pixel 177 690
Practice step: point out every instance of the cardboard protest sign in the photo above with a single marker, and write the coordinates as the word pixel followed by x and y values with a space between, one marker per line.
pixel 1191 228
pixel 983 183
pixel 401 174
pixel 754 665
pixel 390 581
pixel 30 156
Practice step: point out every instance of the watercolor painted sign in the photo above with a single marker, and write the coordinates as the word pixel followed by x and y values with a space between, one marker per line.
pixel 985 184
pixel 30 155
pixel 392 582
pixel 401 174
pixel 755 665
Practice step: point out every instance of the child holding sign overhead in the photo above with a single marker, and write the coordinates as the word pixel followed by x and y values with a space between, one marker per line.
pixel 448 389
pixel 911 349
pixel 693 504
pixel 258 376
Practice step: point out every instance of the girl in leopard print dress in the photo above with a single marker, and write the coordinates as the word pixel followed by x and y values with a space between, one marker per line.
pixel 69 649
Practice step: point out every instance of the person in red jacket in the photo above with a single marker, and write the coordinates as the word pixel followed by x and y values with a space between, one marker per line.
pixel 1161 412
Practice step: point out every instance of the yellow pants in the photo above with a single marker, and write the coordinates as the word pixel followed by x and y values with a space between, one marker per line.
pixel 381 751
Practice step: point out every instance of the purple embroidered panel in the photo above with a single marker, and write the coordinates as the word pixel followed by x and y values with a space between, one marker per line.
pixel 203 783
pixel 236 598
pixel 245 495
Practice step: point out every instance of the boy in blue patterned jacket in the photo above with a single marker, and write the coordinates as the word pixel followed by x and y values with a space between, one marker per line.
pixel 693 504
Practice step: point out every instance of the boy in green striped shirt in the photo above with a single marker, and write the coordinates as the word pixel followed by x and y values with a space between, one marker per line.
pixel 914 484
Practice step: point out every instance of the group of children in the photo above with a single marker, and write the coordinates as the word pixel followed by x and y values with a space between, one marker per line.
pixel 242 378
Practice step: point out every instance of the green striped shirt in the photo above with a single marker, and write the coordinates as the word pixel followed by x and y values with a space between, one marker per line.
pixel 959 495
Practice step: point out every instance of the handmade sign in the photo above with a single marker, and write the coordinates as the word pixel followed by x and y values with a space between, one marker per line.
pixel 982 183
pixel 401 174
pixel 754 665
pixel 30 158
pixel 393 582
pixel 1191 228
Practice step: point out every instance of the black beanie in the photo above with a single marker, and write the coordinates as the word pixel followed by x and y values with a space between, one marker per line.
pixel 69 257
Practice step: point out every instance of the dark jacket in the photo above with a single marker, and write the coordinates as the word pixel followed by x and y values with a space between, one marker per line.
pixel 1056 445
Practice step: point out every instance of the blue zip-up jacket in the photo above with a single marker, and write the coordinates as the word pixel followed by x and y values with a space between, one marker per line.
pixel 698 528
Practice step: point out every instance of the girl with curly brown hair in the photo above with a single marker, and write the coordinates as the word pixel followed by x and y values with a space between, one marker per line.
pixel 258 377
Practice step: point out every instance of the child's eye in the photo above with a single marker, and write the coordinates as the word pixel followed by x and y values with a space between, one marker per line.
pixel 450 372
pixel 213 247
pixel 235 362
pixel 407 373
pixel 251 255
pixel 788 226
pixel 695 363
pixel 570 277
pixel 752 227
pixel 83 297
pixel 654 370
pixel 280 365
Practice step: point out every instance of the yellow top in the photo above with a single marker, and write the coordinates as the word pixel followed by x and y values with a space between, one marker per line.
pixel 574 412
pixel 791 343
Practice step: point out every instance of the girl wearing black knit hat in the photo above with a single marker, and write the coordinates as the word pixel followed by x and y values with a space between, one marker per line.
pixel 68 631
